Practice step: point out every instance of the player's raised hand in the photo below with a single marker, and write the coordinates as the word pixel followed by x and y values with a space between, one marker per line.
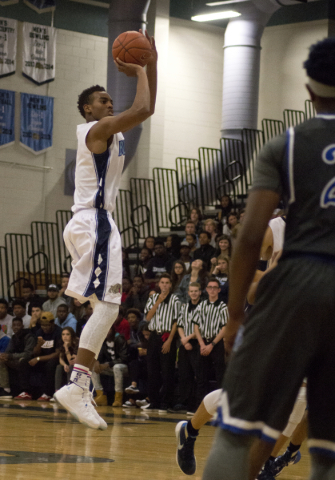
pixel 154 55
pixel 130 69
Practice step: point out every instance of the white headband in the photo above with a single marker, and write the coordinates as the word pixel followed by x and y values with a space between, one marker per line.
pixel 321 89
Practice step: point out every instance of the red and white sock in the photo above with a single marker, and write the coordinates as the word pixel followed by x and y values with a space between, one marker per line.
pixel 80 376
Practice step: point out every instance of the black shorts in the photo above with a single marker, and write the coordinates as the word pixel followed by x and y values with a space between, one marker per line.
pixel 289 334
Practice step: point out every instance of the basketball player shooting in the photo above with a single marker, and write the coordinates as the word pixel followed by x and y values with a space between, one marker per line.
pixel 91 236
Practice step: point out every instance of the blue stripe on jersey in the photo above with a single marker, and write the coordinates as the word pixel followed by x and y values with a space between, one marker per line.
pixel 99 272
pixel 101 163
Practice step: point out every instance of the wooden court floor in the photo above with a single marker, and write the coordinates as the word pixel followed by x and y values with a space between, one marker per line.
pixel 41 441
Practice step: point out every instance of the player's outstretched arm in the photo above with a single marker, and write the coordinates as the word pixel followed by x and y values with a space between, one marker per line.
pixel 152 72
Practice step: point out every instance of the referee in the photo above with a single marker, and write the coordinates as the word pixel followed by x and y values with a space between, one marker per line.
pixel 188 356
pixel 210 320
pixel 162 311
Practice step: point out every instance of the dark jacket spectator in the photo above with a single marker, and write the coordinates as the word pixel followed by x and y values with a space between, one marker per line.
pixel 138 295
pixel 21 345
pixel 206 251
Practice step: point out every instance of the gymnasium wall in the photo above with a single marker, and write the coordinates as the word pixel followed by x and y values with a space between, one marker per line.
pixel 282 78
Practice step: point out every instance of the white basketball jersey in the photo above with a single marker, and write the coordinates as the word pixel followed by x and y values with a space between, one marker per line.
pixel 277 226
pixel 98 176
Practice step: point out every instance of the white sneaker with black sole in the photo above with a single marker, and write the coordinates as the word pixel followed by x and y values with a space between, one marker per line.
pixel 5 395
pixel 132 390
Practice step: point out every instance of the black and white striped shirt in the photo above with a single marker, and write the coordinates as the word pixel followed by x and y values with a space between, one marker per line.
pixel 211 317
pixel 186 316
pixel 166 314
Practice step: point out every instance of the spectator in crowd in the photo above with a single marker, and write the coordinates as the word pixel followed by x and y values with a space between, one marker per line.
pixel 64 283
pixel 162 311
pixel 206 251
pixel 177 274
pixel 190 230
pixel 126 287
pixel 174 247
pixel 19 310
pixel 121 324
pixel 185 256
pixel 198 275
pixel 195 217
pixel 138 294
pixel 5 318
pixel 67 357
pixel 225 207
pixel 210 319
pixel 224 246
pixel 188 351
pixel 4 341
pixel 112 361
pixel 65 318
pixel 138 369
pixel 221 273
pixel 191 239
pixel 210 226
pixel 145 256
pixel 134 319
pixel 29 296
pixel 35 321
pixel 88 310
pixel 157 265
pixel 19 351
pixel 149 243
pixel 238 226
pixel 125 264
pixel 77 308
pixel 46 356
pixel 54 301
pixel 232 220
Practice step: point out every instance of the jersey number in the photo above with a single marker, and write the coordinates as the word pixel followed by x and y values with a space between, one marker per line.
pixel 328 193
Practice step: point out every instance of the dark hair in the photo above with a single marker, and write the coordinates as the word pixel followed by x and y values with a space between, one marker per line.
pixel 145 242
pixel 65 275
pixel 73 348
pixel 17 319
pixel 19 302
pixel 165 275
pixel 129 280
pixel 202 274
pixel 28 285
pixel 135 311
pixel 122 310
pixel 231 214
pixel 36 305
pixel 63 305
pixel 138 275
pixel 320 64
pixel 189 221
pixel 159 242
pixel 214 279
pixel 174 277
pixel 193 235
pixel 209 236
pixel 4 302
pixel 84 97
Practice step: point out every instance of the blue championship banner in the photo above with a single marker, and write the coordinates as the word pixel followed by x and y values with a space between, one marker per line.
pixel 7 110
pixel 36 122
pixel 41 6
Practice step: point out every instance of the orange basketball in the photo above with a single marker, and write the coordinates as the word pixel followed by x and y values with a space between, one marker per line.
pixel 132 47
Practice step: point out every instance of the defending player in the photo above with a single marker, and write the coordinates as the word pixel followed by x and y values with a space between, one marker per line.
pixel 295 300
pixel 91 236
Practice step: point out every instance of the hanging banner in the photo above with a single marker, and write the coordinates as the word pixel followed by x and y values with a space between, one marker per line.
pixel 36 122
pixel 7 111
pixel 39 53
pixel 8 42
pixel 41 6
